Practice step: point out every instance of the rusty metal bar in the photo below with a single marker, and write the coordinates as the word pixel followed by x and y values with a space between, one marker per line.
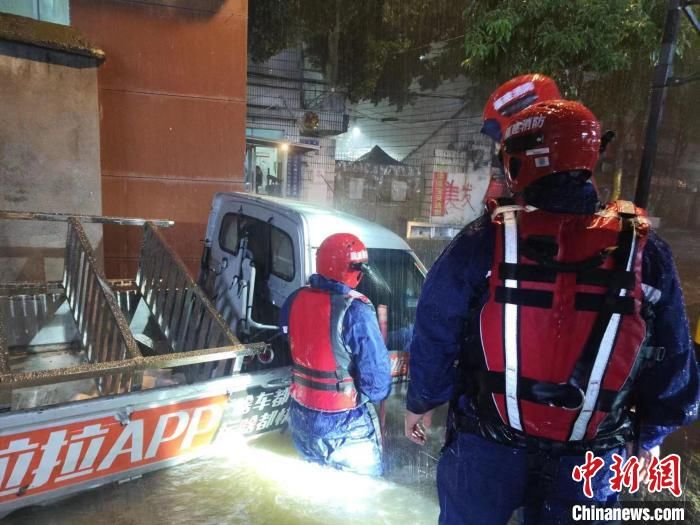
pixel 80 288
pixel 122 285
pixel 69 266
pixel 99 330
pixel 92 326
pixel 180 318
pixel 11 289
pixel 6 395
pixel 173 294
pixel 155 263
pixel 162 295
pixel 4 354
pixel 87 304
pixel 184 320
pixel 202 339
pixel 10 381
pixel 103 335
pixel 65 217
pixel 195 324
pixel 168 304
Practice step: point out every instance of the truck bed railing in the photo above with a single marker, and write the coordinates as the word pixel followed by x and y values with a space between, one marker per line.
pixel 198 339
pixel 10 380
pixel 183 312
pixel 96 219
pixel 103 329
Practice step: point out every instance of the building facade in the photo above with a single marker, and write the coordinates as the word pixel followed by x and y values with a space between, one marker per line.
pixel 293 118
pixel 140 112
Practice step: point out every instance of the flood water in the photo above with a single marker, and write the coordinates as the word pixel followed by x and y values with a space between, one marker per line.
pixel 263 482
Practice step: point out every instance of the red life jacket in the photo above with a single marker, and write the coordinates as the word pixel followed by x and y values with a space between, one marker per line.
pixel 562 330
pixel 320 376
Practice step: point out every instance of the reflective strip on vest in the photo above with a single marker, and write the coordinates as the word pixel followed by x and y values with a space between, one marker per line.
pixel 510 328
pixel 601 360
pixel 561 330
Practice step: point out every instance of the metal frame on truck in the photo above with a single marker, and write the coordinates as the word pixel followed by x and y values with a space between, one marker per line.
pixel 75 356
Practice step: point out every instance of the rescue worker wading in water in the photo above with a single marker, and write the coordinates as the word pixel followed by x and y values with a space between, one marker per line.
pixel 554 326
pixel 340 363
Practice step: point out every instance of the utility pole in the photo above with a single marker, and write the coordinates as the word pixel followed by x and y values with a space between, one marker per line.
pixel 659 85
pixel 661 80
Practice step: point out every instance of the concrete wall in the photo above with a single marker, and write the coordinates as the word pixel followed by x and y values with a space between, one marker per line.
pixel 172 97
pixel 49 155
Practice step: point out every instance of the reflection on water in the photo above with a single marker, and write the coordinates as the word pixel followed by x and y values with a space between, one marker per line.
pixel 686 443
pixel 263 482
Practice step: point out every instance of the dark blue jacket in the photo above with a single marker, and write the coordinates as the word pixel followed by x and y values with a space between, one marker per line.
pixel 370 360
pixel 669 397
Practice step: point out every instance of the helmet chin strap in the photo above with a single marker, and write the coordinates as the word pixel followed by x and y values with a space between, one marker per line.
pixel 606 139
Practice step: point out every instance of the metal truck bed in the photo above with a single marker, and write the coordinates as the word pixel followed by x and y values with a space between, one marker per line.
pixel 101 380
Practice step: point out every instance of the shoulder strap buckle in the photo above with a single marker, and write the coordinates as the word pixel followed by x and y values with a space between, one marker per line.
pixel 626 208
pixel 654 353
pixel 511 208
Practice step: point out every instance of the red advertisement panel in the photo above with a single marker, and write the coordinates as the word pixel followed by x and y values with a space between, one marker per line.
pixel 437 208
pixel 49 458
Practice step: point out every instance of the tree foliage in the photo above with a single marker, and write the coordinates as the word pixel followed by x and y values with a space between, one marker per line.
pixel 571 40
pixel 370 49
pixel 376 49
pixel 599 51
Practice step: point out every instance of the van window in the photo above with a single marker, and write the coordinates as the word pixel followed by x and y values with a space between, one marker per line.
pixel 228 236
pixel 271 248
pixel 395 281
pixel 282 254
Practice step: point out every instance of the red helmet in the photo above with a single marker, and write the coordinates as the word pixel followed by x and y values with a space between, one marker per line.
pixel 339 258
pixel 550 137
pixel 512 97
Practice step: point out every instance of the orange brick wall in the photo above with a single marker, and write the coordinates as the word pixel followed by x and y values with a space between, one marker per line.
pixel 172 97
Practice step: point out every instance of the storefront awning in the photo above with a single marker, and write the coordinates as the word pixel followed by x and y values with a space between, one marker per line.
pixel 271 143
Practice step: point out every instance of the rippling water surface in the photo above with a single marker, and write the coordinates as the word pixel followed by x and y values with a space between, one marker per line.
pixel 263 482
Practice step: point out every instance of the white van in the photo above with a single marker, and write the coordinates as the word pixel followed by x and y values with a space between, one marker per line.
pixel 259 249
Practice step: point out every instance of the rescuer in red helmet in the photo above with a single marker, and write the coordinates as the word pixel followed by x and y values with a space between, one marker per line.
pixel 567 324
pixel 512 97
pixel 340 363
pixel 504 104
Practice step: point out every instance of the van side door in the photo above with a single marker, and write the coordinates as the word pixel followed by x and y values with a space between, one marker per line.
pixel 254 251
